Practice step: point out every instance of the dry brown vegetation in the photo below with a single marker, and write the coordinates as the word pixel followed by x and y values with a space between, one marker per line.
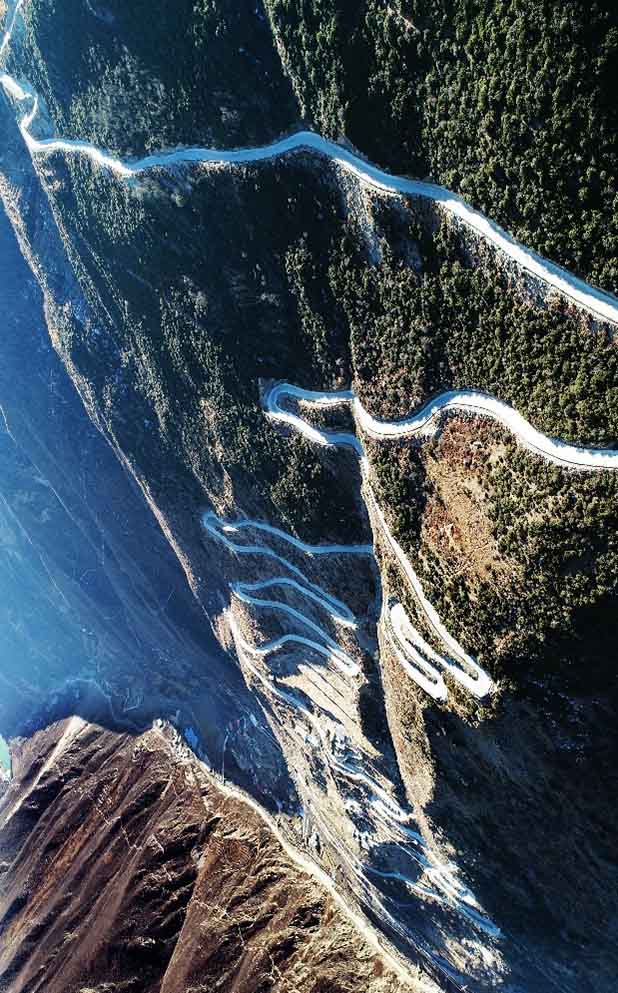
pixel 456 523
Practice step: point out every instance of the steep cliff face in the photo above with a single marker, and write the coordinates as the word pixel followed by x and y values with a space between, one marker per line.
pixel 377 436
pixel 125 867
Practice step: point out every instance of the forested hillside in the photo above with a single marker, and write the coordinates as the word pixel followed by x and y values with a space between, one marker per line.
pixel 509 102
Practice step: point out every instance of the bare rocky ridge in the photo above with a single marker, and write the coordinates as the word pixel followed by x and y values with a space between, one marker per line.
pixel 126 868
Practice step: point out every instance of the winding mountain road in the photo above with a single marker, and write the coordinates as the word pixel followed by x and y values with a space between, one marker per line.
pixel 424 422
pixel 590 298
pixel 446 887
pixel 378 801
pixel 418 659
pixel 225 533
pixel 427 665
pixel 411 650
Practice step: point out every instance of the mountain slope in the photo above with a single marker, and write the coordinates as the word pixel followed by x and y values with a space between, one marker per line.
pixel 125 867
pixel 377 434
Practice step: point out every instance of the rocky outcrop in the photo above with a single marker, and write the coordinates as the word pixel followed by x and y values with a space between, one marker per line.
pixel 126 867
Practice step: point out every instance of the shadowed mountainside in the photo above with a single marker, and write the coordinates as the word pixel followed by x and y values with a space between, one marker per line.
pixel 96 613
